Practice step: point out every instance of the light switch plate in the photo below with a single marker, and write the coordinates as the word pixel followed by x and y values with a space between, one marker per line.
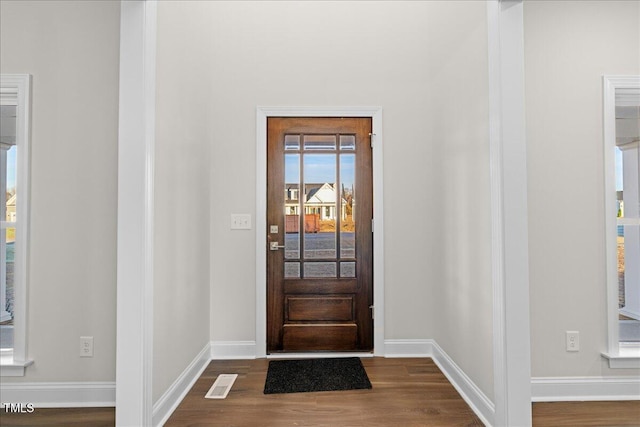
pixel 241 221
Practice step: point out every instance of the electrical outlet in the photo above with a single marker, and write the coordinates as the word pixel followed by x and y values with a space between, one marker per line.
pixel 573 341
pixel 86 346
pixel 241 221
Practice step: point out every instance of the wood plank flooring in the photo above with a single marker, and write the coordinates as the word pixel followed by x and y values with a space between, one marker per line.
pixel 587 414
pixel 67 417
pixel 406 392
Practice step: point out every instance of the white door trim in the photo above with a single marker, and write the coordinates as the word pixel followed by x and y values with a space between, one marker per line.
pixel 261 212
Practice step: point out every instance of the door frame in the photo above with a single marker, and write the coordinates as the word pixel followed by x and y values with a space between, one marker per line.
pixel 262 113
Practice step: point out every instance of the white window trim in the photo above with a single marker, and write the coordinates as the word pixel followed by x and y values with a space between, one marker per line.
pixel 619 355
pixel 15 89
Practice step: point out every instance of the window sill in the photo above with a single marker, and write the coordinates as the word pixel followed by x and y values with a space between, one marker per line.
pixel 627 357
pixel 10 367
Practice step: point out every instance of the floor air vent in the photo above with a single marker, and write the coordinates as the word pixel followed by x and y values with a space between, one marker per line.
pixel 221 386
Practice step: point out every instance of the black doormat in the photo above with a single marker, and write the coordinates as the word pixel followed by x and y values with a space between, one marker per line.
pixel 299 376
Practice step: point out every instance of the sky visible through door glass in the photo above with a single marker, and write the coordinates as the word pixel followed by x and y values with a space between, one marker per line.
pixel 322 170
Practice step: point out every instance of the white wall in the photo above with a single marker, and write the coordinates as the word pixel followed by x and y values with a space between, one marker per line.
pixel 72 50
pixel 568 47
pixel 425 64
pixel 182 170
pixel 312 53
pixel 462 299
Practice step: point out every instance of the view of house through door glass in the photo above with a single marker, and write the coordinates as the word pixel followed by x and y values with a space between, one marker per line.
pixel 319 232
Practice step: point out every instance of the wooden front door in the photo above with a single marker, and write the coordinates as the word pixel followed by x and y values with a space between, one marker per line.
pixel 319 234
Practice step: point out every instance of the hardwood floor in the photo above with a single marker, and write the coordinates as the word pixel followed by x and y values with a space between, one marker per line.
pixel 406 392
pixel 67 417
pixel 586 414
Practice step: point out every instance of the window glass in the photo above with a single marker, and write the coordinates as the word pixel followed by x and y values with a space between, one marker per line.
pixel 14 211
pixel 627 212
pixel 8 159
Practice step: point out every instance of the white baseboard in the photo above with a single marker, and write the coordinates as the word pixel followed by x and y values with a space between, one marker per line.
pixel 408 348
pixel 318 355
pixel 60 394
pixel 475 398
pixel 483 407
pixel 557 389
pixel 233 350
pixel 171 398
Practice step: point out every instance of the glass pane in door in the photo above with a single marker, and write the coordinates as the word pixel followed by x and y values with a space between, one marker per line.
pixel 319 142
pixel 348 142
pixel 292 142
pixel 347 200
pixel 292 270
pixel 320 211
pixel 319 269
pixel 292 206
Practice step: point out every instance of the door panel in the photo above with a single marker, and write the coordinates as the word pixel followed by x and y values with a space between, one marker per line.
pixel 319 308
pixel 320 337
pixel 319 235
